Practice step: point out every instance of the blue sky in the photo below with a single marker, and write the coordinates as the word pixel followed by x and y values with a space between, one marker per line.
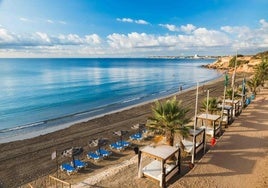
pixel 124 28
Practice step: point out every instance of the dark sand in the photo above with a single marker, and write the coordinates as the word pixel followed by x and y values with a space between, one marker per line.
pixel 24 161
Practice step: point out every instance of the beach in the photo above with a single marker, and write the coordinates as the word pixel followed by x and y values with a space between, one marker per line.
pixel 91 92
pixel 24 161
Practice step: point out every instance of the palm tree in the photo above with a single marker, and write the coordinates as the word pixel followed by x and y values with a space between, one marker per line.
pixel 229 93
pixel 212 105
pixel 253 84
pixel 261 71
pixel 168 118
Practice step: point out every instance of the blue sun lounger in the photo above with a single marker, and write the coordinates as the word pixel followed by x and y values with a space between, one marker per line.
pixel 117 146
pixel 120 145
pixel 79 164
pixel 104 152
pixel 137 136
pixel 123 143
pixel 68 168
pixel 94 156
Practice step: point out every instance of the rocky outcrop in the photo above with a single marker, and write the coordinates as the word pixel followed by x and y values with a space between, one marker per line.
pixel 244 63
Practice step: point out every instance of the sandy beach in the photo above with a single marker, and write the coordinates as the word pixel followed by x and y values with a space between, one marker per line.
pixel 103 94
pixel 24 161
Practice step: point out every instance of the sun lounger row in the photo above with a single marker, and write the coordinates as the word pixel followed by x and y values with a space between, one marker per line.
pixel 137 136
pixel 73 167
pixel 120 145
pixel 99 154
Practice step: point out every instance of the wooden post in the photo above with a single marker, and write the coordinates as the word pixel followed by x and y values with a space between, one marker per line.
pixel 213 122
pixel 179 161
pixel 195 123
pixel 163 174
pixel 57 164
pixel 139 165
pixel 204 140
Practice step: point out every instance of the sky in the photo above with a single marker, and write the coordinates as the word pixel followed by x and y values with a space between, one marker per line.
pixel 132 28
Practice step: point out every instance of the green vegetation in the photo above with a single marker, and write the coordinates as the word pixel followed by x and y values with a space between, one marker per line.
pixel 229 93
pixel 261 55
pixel 261 71
pixel 212 105
pixel 253 84
pixel 168 118
pixel 238 63
pixel 260 75
pixel 232 62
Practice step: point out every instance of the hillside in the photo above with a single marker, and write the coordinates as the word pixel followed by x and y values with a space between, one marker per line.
pixel 245 63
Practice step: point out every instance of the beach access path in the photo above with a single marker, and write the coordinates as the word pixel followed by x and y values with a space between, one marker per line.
pixel 240 157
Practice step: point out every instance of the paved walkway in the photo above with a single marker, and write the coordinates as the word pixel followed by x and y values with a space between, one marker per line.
pixel 240 157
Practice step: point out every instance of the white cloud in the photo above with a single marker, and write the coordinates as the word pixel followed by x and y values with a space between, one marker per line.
pixel 8 39
pixel 225 40
pixel 188 28
pixel 95 39
pixel 62 22
pixel 201 37
pixel 141 22
pixel 263 23
pixel 129 20
pixel 50 21
pixel 74 38
pixel 132 40
pixel 124 20
pixel 235 30
pixel 44 37
pixel 205 37
pixel 5 36
pixel 244 38
pixel 228 29
pixel 170 27
pixel 24 19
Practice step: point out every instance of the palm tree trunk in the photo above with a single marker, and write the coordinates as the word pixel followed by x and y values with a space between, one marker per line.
pixel 169 138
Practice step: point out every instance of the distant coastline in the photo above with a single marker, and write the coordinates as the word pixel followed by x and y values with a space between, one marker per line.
pixel 184 57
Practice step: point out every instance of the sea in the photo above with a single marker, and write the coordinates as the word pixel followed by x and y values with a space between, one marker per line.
pixel 42 95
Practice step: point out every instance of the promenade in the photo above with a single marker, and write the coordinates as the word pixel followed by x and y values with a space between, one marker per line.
pixel 240 157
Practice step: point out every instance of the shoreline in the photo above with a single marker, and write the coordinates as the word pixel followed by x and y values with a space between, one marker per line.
pixel 16 154
pixel 54 128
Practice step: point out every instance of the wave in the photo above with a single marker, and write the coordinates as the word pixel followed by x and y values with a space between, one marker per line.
pixel 87 112
pixel 71 117
pixel 58 120
pixel 22 127
pixel 130 100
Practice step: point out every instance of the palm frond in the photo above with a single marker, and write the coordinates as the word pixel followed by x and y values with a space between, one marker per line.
pixel 168 117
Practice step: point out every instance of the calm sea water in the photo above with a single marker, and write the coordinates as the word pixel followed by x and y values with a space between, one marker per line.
pixel 41 93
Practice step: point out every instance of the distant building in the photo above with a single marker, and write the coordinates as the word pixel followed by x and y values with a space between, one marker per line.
pixel 196 56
